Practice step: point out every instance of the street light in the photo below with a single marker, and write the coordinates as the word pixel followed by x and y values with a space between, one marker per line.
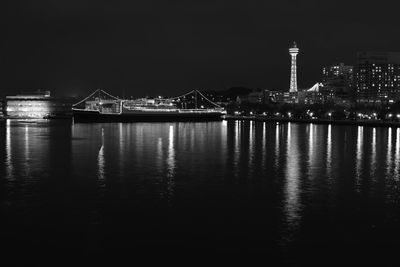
pixel 330 115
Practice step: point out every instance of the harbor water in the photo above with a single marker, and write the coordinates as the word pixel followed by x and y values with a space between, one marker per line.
pixel 279 192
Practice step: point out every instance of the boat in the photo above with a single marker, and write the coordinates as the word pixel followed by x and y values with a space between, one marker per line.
pixel 112 109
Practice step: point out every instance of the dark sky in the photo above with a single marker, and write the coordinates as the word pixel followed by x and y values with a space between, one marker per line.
pixel 168 47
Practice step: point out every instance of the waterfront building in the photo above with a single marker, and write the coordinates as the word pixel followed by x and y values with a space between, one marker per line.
pixel 37 105
pixel 275 96
pixel 291 97
pixel 378 77
pixel 311 97
pixel 319 94
pixel 293 51
pixel 281 97
pixel 322 97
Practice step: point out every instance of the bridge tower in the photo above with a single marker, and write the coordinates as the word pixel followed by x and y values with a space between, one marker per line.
pixel 293 51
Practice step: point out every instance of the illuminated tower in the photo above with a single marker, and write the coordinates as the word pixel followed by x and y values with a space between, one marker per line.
pixel 293 51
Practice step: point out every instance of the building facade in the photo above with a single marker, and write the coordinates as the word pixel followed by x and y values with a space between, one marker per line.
pixel 37 105
pixel 1 108
pixel 311 97
pixel 338 78
pixel 281 97
pixel 378 77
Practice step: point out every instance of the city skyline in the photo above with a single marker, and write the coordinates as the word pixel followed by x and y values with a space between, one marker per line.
pixel 72 48
pixel 211 130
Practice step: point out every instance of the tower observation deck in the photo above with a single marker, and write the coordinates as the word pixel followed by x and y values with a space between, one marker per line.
pixel 293 51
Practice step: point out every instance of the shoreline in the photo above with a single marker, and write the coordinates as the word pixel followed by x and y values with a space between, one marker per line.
pixel 374 123
pixel 367 123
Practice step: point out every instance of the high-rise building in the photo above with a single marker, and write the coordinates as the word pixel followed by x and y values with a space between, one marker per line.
pixel 337 78
pixel 293 51
pixel 378 77
pixel 337 71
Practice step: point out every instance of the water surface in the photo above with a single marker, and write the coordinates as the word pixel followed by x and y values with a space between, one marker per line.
pixel 281 192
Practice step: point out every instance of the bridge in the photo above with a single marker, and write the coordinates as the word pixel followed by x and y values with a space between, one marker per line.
pixel 316 87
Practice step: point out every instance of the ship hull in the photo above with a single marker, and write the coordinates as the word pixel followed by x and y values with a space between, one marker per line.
pixel 95 116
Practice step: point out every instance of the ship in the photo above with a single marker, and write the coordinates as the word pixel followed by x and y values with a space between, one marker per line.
pixel 100 106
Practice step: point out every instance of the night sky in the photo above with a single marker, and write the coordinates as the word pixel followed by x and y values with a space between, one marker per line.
pixel 169 47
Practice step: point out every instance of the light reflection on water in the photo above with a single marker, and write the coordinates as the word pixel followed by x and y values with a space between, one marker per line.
pixel 389 152
pixel 292 181
pixel 160 155
pixel 359 155
pixel 277 144
pixel 397 156
pixel 251 146
pixel 170 165
pixel 311 151
pixel 269 173
pixel 224 133
pixel 8 163
pixel 136 145
pixel 101 161
pixel 264 142
pixel 122 143
pixel 329 153
pixel 373 153
pixel 27 152
pixel 236 152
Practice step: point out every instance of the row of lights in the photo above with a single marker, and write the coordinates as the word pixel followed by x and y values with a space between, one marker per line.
pixel 311 114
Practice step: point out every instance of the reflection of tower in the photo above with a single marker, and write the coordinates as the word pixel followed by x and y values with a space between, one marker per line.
pixel 293 51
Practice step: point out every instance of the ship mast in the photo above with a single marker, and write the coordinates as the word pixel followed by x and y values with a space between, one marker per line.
pixel 195 99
